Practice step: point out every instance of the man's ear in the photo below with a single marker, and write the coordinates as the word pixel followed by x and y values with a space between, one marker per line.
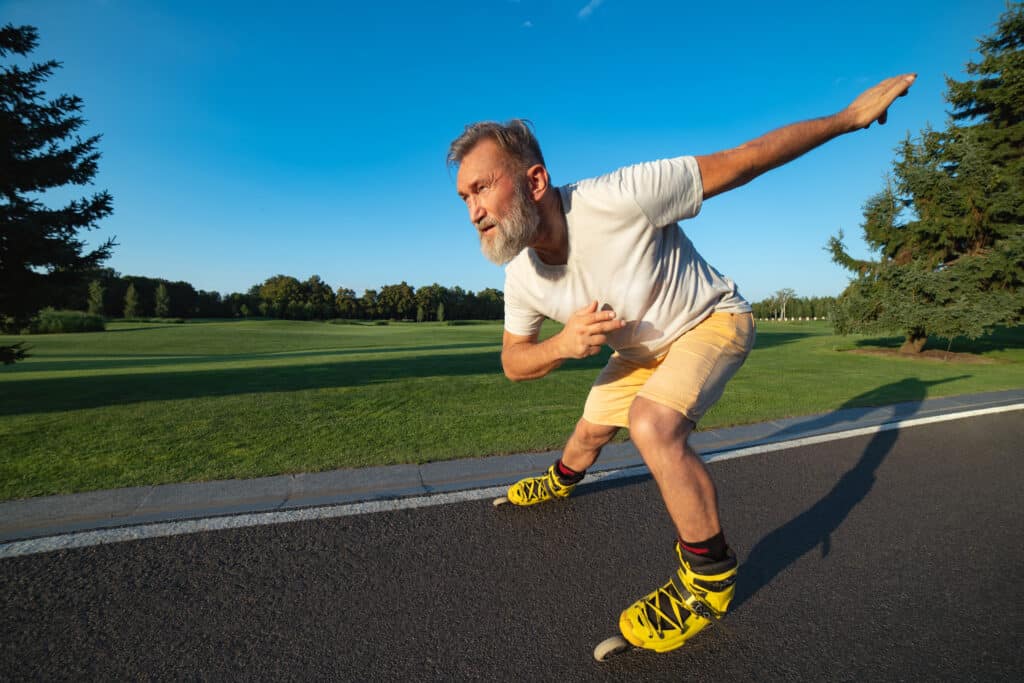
pixel 538 180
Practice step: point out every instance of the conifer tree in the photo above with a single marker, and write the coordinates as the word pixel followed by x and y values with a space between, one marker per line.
pixel 131 302
pixel 162 302
pixel 96 292
pixel 949 228
pixel 41 250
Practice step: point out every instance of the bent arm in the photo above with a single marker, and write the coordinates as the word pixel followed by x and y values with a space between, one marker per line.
pixel 729 169
pixel 524 358
pixel 586 331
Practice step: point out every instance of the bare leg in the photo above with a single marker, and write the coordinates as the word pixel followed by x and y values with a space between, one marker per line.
pixel 585 444
pixel 661 434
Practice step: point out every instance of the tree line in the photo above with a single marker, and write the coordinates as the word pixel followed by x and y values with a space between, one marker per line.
pixel 112 295
pixel 786 305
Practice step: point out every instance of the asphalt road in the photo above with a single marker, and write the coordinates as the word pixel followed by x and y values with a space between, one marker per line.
pixel 891 557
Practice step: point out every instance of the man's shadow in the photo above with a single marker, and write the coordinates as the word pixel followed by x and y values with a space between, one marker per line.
pixel 813 527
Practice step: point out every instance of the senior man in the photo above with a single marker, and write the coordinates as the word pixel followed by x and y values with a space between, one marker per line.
pixel 606 256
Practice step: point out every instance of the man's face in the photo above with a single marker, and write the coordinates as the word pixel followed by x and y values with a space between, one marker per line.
pixel 499 202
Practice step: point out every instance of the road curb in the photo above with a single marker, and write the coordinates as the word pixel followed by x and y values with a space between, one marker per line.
pixel 55 515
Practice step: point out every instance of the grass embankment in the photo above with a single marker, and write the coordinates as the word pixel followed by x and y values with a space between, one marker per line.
pixel 154 403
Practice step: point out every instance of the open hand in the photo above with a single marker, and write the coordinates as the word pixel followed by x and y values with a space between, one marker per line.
pixel 873 104
pixel 586 331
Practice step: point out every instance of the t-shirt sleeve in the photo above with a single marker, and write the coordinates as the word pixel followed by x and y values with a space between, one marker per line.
pixel 520 319
pixel 667 191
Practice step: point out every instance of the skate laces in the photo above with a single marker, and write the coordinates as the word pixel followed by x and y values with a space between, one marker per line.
pixel 542 488
pixel 666 609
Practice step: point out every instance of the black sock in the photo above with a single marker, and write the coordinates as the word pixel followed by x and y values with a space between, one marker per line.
pixel 567 475
pixel 713 549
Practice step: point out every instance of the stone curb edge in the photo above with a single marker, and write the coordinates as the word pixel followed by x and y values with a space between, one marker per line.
pixel 52 515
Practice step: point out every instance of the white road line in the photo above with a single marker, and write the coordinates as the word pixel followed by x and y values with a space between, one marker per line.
pixel 86 539
pixel 863 431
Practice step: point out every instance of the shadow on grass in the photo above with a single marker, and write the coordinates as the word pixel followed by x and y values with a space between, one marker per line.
pixel 150 360
pixel 74 393
pixel 138 329
pixel 22 396
pixel 812 528
pixel 769 339
pixel 1001 339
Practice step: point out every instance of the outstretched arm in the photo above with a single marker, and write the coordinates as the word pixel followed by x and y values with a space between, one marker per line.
pixel 731 168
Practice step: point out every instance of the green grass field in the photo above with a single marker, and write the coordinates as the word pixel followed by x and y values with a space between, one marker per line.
pixel 150 403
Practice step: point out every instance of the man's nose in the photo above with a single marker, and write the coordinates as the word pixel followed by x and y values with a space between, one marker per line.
pixel 476 211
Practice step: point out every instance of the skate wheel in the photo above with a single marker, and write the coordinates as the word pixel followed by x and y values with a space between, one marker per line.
pixel 499 501
pixel 611 646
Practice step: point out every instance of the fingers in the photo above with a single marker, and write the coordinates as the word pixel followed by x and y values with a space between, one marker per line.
pixel 899 86
pixel 872 105
pixel 589 315
pixel 605 326
pixel 600 317
pixel 586 332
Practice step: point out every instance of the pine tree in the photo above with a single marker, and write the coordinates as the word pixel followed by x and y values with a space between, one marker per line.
pixel 96 293
pixel 40 248
pixel 949 228
pixel 162 303
pixel 131 302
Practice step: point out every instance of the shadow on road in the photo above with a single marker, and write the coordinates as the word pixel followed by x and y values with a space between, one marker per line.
pixel 785 545
pixel 901 400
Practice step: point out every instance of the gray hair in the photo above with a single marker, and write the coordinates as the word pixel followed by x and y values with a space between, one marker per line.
pixel 515 138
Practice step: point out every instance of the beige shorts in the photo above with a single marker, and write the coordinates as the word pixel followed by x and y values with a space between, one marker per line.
pixel 689 378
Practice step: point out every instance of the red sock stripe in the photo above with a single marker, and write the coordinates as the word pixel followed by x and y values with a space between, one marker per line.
pixel 694 550
pixel 565 471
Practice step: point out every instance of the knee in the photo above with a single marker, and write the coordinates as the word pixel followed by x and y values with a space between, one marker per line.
pixel 654 427
pixel 593 436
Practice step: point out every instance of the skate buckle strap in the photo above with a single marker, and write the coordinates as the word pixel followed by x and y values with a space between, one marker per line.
pixel 716 586
pixel 701 610
pixel 695 601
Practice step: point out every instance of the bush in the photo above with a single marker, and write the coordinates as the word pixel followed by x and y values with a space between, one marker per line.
pixel 54 322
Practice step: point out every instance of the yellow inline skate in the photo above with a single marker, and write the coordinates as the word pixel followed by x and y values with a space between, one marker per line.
pixel 672 614
pixel 533 490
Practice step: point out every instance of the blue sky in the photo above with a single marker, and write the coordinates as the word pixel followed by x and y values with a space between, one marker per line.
pixel 246 139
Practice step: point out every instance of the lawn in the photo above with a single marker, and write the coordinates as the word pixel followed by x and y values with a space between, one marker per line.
pixel 153 403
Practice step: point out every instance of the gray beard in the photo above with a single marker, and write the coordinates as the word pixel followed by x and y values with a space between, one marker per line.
pixel 514 233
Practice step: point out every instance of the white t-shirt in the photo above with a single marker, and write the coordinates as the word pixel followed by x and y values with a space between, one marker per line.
pixel 627 252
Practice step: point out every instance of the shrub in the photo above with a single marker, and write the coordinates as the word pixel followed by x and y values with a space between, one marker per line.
pixel 51 322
